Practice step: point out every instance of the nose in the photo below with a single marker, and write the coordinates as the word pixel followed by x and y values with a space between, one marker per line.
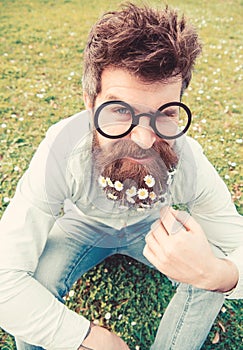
pixel 143 135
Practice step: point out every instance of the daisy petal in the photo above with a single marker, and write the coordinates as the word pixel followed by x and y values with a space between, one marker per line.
pixel 149 180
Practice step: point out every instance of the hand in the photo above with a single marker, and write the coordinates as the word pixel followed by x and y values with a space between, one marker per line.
pixel 186 256
pixel 100 338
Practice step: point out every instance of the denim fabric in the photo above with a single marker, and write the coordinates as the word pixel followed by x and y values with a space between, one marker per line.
pixel 187 320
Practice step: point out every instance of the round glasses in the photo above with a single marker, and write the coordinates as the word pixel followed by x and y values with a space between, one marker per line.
pixel 116 119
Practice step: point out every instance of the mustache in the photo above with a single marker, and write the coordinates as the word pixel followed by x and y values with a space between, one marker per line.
pixel 125 148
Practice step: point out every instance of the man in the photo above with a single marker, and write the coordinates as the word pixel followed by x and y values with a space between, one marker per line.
pixel 104 182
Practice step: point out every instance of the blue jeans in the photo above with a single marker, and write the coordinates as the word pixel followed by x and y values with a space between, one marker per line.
pixel 188 317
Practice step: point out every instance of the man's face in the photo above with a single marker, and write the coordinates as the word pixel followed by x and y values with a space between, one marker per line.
pixel 141 154
pixel 118 84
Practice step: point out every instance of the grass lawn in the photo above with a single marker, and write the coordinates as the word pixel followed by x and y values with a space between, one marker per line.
pixel 42 42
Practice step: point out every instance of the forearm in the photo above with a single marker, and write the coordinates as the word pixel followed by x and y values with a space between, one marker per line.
pixel 30 312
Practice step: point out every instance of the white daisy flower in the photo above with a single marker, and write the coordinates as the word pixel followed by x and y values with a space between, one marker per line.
pixel 152 196
pixel 109 182
pixel 149 180
pixel 130 200
pixel 118 186
pixel 102 181
pixel 131 192
pixel 111 196
pixel 142 193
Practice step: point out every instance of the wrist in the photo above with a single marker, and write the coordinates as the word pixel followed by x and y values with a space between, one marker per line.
pixel 83 347
pixel 223 277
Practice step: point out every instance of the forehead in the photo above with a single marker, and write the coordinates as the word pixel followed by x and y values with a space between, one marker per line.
pixel 119 84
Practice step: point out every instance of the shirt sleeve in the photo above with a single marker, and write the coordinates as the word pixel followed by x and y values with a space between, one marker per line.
pixel 27 309
pixel 214 210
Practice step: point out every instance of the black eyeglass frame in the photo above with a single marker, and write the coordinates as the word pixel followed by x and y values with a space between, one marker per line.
pixel 136 118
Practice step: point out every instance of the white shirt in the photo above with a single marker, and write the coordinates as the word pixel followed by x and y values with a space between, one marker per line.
pixel 59 175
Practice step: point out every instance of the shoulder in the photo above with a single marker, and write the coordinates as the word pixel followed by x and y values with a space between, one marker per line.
pixel 62 138
pixel 71 128
pixel 194 145
pixel 189 176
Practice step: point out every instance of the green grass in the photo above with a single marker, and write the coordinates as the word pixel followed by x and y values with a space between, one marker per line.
pixel 41 67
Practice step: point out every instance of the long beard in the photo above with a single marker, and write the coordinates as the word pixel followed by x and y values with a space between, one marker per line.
pixel 128 181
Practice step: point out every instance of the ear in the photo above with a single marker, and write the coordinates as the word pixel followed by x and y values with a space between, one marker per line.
pixel 87 101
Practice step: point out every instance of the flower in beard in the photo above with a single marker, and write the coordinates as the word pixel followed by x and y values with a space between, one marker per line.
pixel 130 200
pixel 112 196
pixel 102 181
pixel 131 192
pixel 149 180
pixel 118 186
pixel 109 182
pixel 142 193
pixel 126 167
pixel 152 196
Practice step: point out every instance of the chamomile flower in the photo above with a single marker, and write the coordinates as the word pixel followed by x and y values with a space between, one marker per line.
pixel 109 182
pixel 152 196
pixel 102 181
pixel 142 193
pixel 112 196
pixel 130 200
pixel 118 186
pixel 149 180
pixel 131 192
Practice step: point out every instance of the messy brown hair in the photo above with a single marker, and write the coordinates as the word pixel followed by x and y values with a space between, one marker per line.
pixel 152 44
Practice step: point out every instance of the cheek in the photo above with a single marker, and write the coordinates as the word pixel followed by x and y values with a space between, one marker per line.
pixel 104 141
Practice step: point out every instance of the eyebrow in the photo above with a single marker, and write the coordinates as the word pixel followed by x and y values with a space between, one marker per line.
pixel 113 98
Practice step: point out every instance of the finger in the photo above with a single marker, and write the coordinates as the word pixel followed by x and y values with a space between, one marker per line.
pixel 157 241
pixel 170 222
pixel 150 256
pixel 157 232
pixel 155 225
pixel 188 222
